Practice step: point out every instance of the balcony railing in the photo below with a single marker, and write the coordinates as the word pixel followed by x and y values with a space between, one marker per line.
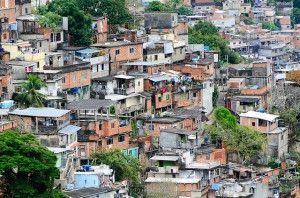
pixel 131 108
pixel 124 91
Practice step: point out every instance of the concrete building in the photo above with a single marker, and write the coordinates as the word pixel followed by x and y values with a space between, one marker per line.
pixel 277 137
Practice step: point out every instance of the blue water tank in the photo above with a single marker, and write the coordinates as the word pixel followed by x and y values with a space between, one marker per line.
pixel 86 168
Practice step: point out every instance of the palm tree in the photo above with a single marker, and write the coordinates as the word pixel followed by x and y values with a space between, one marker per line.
pixel 31 97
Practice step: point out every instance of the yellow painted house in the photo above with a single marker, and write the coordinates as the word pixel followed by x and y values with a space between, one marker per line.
pixel 24 51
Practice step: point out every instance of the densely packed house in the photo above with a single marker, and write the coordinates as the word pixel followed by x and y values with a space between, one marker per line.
pixel 150 93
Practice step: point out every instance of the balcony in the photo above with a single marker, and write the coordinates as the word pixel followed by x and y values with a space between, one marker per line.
pixel 132 108
pixel 48 128
pixel 124 91
pixel 168 169
pixel 5 125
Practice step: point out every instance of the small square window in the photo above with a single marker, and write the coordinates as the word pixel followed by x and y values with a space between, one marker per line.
pixel 168 97
pixel 109 141
pixel 253 123
pixel 159 98
pixel 58 37
pixel 121 138
pixel 117 52
pixel 131 50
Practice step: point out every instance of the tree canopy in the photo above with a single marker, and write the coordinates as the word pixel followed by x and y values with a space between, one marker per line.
pixel 125 167
pixel 115 10
pixel 245 141
pixel 269 26
pixel 175 6
pixel 27 168
pixel 206 33
pixel 30 96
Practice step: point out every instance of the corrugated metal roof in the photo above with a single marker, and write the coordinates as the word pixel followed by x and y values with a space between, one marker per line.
pixel 258 115
pixel 90 104
pixel 69 129
pixel 172 180
pixel 40 112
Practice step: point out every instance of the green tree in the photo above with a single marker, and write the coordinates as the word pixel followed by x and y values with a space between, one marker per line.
pixel 51 20
pixel 184 10
pixel 244 141
pixel 290 119
pixel 30 96
pixel 27 168
pixel 215 96
pixel 115 10
pixel 125 167
pixel 269 26
pixel 79 21
pixel 156 6
pixel 206 33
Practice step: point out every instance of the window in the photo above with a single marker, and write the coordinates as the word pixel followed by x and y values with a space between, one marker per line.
pixel 281 136
pixel 117 52
pixel 159 98
pixel 121 138
pixel 40 43
pixel 52 37
pixel 109 141
pixel 58 37
pixel 262 123
pixel 83 75
pixel 168 97
pixel 102 67
pixel 74 77
pixel 26 10
pixel 4 36
pixel 100 126
pixel 252 190
pixel 151 127
pixel 253 123
pixel 112 125
pixel 139 83
pixel 195 94
pixel 100 143
pixel 131 50
pixel 155 57
pixel 63 80
pixel 95 68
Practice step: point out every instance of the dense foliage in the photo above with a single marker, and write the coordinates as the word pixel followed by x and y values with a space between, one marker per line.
pixel 27 169
pixel 291 120
pixel 80 13
pixel 206 33
pixel 244 141
pixel 269 26
pixel 125 167
pixel 115 10
pixel 79 22
pixel 30 95
pixel 175 6
pixel 215 96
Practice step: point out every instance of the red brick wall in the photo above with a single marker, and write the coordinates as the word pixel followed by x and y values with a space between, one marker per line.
pixel 77 79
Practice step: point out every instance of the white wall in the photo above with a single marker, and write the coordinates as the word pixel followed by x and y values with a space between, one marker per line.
pixel 207 96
